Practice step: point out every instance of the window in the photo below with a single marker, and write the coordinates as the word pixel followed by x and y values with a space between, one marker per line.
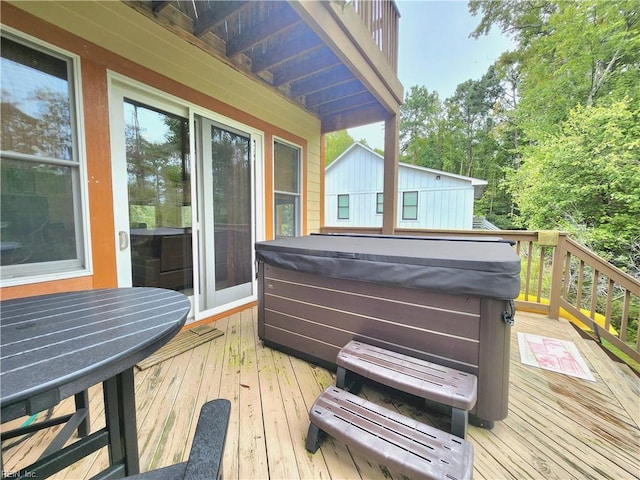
pixel 410 205
pixel 41 216
pixel 343 207
pixel 286 161
pixel 379 203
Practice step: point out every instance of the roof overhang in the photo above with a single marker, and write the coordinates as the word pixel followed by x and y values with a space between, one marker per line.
pixel 318 54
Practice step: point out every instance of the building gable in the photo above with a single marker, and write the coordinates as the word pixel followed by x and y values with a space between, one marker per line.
pixel 444 200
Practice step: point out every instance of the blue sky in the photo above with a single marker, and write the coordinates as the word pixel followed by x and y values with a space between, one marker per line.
pixel 437 53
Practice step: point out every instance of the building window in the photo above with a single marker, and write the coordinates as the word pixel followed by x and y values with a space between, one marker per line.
pixel 343 207
pixel 379 203
pixel 41 206
pixel 410 205
pixel 287 218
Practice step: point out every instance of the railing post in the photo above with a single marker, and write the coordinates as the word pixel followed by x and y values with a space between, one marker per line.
pixel 556 275
pixel 390 185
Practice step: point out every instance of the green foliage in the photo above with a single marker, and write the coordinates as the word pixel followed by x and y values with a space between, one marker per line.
pixel 457 136
pixel 335 144
pixel 522 20
pixel 582 58
pixel 571 132
pixel 420 117
pixel 587 175
pixel 471 110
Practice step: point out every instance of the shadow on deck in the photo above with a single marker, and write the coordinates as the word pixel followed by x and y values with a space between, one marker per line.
pixel 558 426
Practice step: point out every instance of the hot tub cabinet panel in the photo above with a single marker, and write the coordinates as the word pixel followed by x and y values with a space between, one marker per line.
pixel 314 316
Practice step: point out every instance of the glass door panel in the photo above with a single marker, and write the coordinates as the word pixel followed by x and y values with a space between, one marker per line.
pixel 226 234
pixel 158 180
pixel 232 208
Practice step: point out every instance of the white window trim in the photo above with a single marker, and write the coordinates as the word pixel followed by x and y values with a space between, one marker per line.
pixel 301 180
pixel 81 154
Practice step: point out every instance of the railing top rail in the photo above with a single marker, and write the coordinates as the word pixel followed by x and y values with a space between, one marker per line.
pixel 521 235
pixel 611 271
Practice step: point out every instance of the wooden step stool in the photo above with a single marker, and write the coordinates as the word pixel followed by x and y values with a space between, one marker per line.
pixel 400 443
pixel 431 381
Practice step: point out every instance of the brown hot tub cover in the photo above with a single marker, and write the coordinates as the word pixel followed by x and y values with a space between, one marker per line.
pixel 481 267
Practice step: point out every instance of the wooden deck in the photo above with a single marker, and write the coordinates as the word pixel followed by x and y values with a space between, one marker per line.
pixel 558 426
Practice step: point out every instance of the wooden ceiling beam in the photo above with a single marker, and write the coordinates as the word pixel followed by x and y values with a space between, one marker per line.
pixel 159 5
pixel 289 50
pixel 311 65
pixel 353 118
pixel 270 27
pixel 348 103
pixel 344 90
pixel 215 16
pixel 305 54
pixel 322 81
pixel 343 31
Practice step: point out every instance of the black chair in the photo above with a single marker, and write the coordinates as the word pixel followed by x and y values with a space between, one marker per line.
pixel 205 457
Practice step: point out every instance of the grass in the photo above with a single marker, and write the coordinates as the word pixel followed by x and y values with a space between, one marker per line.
pixel 621 355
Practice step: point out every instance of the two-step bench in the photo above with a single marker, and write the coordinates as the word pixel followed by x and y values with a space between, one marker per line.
pixel 427 380
pixel 402 444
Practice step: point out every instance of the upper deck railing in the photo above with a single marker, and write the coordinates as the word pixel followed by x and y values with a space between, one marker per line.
pixel 381 17
pixel 560 278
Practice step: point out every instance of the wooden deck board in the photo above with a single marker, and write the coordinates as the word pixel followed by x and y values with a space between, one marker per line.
pixel 252 446
pixel 558 426
pixel 624 385
pixel 309 466
pixel 230 389
pixel 282 461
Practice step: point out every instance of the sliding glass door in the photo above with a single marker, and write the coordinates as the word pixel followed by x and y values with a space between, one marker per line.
pixel 225 213
pixel 186 190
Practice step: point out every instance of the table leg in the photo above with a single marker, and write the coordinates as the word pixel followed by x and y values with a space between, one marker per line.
pixel 82 402
pixel 120 413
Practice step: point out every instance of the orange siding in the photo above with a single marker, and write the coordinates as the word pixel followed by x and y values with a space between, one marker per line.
pixel 95 97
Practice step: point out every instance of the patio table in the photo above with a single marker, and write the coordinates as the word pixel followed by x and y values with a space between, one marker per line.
pixel 57 346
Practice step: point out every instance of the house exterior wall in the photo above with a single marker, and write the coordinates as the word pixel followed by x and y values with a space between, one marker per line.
pixel 360 174
pixel 112 37
pixel 444 202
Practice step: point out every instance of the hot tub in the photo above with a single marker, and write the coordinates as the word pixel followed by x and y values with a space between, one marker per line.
pixel 445 300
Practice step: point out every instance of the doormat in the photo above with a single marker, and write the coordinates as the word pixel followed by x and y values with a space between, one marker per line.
pixel 551 354
pixel 183 341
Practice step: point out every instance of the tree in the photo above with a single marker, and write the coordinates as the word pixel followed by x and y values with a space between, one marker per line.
pixel 427 136
pixel 524 21
pixel 419 121
pixel 459 136
pixel 569 53
pixel 586 177
pixel 335 143
pixel 577 74
pixel 471 109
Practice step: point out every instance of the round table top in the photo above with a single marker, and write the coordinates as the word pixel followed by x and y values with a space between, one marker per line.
pixel 54 346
